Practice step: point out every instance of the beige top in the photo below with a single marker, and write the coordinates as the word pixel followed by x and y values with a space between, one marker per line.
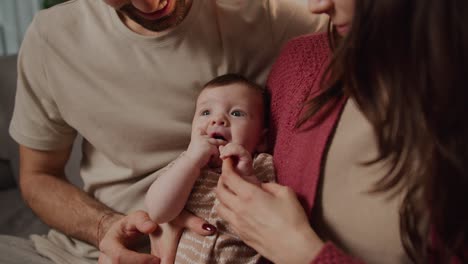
pixel 364 225
pixel 132 97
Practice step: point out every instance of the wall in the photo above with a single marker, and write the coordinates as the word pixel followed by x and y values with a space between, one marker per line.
pixel 15 16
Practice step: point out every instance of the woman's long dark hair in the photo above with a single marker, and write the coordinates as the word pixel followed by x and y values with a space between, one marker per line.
pixel 405 63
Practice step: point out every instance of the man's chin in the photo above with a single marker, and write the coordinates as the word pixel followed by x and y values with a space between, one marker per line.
pixel 155 25
pixel 158 24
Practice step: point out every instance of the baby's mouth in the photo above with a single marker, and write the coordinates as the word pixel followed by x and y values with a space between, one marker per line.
pixel 218 136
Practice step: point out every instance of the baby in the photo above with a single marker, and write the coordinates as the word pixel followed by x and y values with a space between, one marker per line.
pixel 229 121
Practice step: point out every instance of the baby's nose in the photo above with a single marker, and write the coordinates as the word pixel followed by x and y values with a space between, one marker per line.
pixel 219 121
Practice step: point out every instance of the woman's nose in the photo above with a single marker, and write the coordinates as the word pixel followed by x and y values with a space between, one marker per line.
pixel 147 6
pixel 320 6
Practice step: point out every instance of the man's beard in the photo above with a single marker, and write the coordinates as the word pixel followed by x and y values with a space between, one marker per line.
pixel 174 19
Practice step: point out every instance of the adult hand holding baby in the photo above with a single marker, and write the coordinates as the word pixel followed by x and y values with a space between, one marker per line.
pixel 269 218
pixel 117 245
pixel 242 160
pixel 165 239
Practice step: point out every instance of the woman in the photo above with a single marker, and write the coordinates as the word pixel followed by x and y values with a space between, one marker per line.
pixel 369 132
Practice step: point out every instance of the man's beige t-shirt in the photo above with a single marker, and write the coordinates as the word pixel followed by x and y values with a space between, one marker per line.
pixel 131 97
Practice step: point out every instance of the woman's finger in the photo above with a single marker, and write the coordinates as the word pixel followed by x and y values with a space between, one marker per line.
pixel 272 188
pixel 235 182
pixel 225 213
pixel 194 223
pixel 232 149
pixel 225 196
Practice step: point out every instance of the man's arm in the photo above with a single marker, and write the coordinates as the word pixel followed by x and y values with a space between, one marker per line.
pixel 57 202
pixel 67 208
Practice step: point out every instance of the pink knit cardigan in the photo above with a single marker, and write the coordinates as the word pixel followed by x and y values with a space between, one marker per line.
pixel 298 153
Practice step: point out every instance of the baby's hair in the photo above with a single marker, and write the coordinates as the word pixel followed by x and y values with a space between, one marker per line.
pixel 231 78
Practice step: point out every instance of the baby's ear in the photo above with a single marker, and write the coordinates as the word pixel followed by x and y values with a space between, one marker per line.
pixel 262 146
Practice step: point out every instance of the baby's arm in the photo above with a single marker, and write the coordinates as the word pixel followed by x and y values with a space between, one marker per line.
pixel 168 194
pixel 242 160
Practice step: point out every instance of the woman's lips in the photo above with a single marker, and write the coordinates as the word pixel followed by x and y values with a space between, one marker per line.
pixel 342 29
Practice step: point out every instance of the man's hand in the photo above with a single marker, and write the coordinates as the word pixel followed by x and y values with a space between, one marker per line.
pixel 117 243
pixel 164 240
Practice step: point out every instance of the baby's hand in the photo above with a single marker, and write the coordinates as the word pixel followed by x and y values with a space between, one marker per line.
pixel 242 160
pixel 202 148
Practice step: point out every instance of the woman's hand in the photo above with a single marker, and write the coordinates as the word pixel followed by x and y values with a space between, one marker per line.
pixel 269 218
pixel 244 164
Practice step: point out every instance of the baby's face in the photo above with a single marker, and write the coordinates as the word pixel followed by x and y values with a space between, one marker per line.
pixel 234 113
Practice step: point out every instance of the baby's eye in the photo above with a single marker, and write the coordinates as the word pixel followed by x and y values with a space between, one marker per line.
pixel 205 112
pixel 237 113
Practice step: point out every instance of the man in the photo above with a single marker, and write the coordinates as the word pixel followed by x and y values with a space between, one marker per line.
pixel 125 74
